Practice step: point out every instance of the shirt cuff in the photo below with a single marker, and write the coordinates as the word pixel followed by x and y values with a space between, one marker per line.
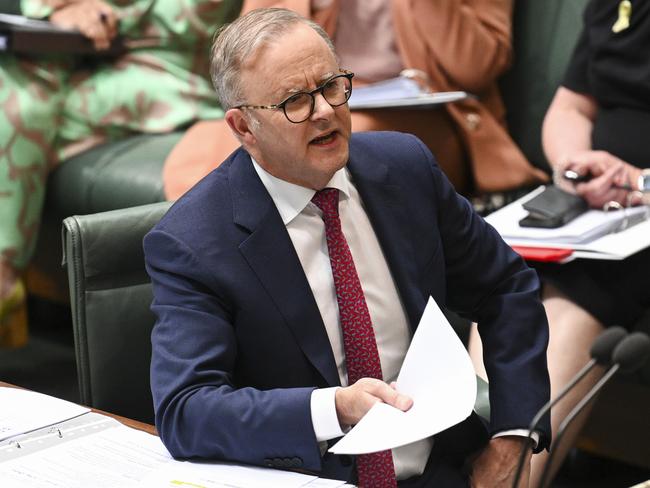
pixel 520 433
pixel 323 414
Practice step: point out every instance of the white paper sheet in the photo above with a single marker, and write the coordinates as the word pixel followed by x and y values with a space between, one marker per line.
pixel 583 229
pixel 437 374
pixel 399 92
pixel 23 411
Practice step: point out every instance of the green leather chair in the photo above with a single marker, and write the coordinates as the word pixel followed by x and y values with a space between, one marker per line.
pixel 110 295
pixel 116 175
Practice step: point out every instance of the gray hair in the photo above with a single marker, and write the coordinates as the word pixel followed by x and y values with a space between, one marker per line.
pixel 234 43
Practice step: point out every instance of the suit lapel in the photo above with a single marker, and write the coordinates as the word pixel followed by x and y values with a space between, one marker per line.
pixel 272 257
pixel 383 201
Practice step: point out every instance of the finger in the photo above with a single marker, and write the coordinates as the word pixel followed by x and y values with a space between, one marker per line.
pixel 109 20
pixel 582 169
pixel 353 402
pixel 587 166
pixel 392 397
pixel 603 183
pixel 384 393
pixel 626 177
pixel 95 33
pixel 593 162
pixel 600 199
pixel 99 34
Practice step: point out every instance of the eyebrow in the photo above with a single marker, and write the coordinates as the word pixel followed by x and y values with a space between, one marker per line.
pixel 292 91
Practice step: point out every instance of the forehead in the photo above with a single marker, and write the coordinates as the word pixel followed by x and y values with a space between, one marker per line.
pixel 295 60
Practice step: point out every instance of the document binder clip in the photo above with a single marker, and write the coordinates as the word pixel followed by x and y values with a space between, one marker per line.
pixel 57 431
pixel 15 443
pixel 628 220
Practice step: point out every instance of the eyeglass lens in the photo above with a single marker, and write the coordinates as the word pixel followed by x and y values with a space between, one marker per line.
pixel 336 91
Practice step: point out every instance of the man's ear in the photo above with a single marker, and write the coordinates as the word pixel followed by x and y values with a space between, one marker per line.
pixel 240 126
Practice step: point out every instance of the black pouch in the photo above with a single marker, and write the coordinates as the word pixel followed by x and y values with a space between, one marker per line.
pixel 552 208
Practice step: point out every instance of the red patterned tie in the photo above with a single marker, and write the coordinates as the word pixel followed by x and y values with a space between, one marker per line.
pixel 362 358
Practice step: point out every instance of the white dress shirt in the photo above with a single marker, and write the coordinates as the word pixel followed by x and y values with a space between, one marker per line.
pixel 306 229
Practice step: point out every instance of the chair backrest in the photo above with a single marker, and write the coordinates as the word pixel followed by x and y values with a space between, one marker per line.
pixel 544 35
pixel 110 295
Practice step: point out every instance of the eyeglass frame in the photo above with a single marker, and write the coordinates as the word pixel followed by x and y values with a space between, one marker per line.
pixel 319 89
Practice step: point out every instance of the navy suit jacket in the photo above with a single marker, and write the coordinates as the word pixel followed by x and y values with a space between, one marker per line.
pixel 239 343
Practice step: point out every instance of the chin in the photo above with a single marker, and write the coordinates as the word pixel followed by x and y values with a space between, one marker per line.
pixel 338 163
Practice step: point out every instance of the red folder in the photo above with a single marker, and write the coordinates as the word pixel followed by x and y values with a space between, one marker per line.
pixel 543 254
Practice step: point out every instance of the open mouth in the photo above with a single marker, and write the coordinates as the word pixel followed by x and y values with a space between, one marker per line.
pixel 325 139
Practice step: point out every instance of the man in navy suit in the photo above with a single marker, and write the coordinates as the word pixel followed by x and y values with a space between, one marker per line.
pixel 250 349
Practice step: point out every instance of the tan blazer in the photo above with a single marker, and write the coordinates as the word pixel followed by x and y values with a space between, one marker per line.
pixel 464 47
pixel 461 48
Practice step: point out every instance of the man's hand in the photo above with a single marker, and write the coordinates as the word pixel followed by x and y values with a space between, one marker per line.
pixel 354 401
pixel 93 18
pixel 497 463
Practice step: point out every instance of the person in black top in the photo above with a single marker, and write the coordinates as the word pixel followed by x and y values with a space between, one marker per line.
pixel 597 125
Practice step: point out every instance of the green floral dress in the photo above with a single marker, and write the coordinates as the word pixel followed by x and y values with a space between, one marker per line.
pixel 54 108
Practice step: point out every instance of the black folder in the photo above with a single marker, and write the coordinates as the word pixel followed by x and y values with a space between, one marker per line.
pixel 22 35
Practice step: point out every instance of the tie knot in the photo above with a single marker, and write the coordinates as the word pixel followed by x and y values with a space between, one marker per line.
pixel 327 200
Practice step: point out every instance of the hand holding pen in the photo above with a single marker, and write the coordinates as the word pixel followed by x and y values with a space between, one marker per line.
pixel 575 178
pixel 599 177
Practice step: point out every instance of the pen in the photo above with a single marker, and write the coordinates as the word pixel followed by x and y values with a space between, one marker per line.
pixel 574 178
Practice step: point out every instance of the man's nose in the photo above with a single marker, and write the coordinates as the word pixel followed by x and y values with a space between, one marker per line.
pixel 322 108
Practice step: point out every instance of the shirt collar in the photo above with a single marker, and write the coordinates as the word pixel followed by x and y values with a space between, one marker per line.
pixel 291 199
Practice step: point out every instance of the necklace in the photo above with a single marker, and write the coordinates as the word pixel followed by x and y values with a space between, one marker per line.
pixel 624 14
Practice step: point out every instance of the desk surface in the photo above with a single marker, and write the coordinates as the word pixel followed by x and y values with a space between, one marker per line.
pixel 126 421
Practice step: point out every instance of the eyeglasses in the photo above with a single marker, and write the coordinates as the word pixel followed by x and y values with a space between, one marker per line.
pixel 300 106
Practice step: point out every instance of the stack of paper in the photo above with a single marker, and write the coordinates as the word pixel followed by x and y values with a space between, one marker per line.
pixel 48 442
pixel 23 411
pixel 595 234
pixel 94 450
pixel 399 92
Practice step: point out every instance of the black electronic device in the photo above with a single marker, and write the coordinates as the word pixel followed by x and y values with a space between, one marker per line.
pixel 552 208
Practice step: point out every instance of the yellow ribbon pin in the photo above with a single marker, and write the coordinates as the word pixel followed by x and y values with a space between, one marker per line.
pixel 624 14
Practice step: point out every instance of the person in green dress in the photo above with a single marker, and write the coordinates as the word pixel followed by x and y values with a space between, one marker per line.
pixel 56 107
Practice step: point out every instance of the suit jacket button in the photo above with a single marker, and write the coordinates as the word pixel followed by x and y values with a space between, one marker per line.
pixel 346 460
pixel 278 463
pixel 296 462
pixel 268 462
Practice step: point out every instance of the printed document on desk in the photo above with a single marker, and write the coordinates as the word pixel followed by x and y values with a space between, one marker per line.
pixel 400 92
pixel 593 235
pixel 23 411
pixel 94 450
pixel 436 366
